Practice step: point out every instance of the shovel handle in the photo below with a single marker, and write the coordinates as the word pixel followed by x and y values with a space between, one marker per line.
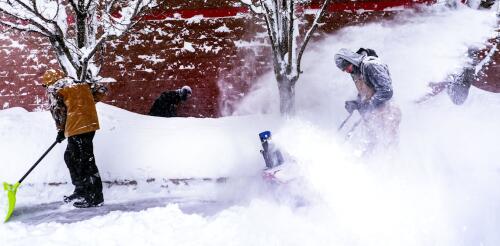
pixel 36 163
pixel 349 133
pixel 345 121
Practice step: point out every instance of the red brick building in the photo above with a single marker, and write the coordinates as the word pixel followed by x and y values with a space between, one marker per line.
pixel 203 44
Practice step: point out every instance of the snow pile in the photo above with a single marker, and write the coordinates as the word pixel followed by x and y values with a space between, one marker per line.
pixel 4 202
pixel 438 189
pixel 132 146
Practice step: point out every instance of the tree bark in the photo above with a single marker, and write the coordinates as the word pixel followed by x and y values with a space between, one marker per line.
pixel 286 88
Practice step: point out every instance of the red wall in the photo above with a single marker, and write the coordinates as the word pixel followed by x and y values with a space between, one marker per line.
pixel 218 60
pixel 488 78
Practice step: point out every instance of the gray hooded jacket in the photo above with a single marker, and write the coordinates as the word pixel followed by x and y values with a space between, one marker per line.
pixel 375 74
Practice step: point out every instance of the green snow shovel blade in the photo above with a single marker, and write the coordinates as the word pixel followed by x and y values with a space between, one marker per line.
pixel 11 190
pixel 11 194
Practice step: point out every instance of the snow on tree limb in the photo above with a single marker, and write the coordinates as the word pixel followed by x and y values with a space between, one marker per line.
pixel 254 8
pixel 282 23
pixel 76 29
pixel 311 31
pixel 24 28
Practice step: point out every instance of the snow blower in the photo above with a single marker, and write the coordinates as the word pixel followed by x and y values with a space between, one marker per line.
pixel 11 189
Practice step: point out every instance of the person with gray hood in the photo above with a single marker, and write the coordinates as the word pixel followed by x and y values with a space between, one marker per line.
pixel 374 85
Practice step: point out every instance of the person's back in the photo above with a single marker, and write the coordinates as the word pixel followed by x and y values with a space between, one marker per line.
pixel 166 104
pixel 79 101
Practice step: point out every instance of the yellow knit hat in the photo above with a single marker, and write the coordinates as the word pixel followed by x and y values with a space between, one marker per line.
pixel 51 76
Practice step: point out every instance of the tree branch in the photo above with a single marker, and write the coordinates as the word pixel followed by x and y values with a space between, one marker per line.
pixel 270 27
pixel 138 8
pixel 88 5
pixel 31 21
pixel 254 8
pixel 310 32
pixel 290 36
pixel 34 11
pixel 23 28
pixel 89 56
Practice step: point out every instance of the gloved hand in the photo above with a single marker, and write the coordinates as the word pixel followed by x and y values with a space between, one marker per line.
pixel 350 106
pixel 364 107
pixel 60 136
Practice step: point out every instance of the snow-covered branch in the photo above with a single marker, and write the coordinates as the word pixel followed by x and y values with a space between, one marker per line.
pixel 311 31
pixel 253 7
pixel 282 23
pixel 76 29
pixel 23 28
pixel 17 10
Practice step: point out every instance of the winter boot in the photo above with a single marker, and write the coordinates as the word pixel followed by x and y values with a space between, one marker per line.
pixel 90 200
pixel 93 193
pixel 78 194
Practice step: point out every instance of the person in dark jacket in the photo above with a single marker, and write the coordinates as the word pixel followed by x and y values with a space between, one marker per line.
pixel 166 104
pixel 72 105
pixel 373 82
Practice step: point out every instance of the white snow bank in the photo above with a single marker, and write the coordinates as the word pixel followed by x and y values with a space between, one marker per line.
pixel 134 146
pixel 258 224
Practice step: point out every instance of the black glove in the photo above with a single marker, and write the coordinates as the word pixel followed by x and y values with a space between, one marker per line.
pixel 350 106
pixel 60 136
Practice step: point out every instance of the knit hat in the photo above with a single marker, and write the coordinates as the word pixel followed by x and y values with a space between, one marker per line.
pixel 51 76
pixel 186 90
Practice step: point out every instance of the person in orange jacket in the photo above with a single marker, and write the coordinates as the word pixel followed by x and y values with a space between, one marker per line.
pixel 72 104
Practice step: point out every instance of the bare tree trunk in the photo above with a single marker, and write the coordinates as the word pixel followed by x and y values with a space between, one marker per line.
pixel 286 89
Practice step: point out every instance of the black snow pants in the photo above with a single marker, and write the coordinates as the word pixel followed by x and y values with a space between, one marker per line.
pixel 80 160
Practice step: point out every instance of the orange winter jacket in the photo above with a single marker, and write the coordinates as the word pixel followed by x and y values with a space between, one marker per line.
pixel 73 106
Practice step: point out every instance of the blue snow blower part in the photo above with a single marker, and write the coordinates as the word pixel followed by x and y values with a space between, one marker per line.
pixel 264 135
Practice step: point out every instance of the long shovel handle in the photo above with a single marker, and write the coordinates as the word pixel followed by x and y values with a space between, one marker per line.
pixel 36 163
pixel 351 131
pixel 345 121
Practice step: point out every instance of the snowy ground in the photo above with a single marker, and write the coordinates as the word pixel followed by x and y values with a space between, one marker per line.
pixel 441 188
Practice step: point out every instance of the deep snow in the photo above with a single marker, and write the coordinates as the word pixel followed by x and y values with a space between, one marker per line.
pixel 441 188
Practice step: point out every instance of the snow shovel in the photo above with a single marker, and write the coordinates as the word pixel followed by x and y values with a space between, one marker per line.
pixel 351 131
pixel 11 189
pixel 345 121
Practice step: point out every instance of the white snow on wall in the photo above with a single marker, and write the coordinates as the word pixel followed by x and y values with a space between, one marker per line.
pixel 188 46
pixel 151 58
pixel 242 43
pixel 195 19
pixel 223 28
